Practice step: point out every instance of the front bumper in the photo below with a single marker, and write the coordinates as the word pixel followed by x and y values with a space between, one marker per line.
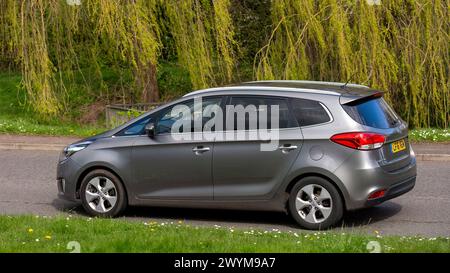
pixel 66 179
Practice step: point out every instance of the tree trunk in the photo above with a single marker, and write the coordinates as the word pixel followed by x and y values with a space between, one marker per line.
pixel 148 83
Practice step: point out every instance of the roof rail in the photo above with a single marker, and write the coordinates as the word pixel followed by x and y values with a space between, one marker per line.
pixel 261 88
pixel 313 82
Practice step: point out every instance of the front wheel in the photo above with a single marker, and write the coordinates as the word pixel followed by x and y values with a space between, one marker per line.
pixel 315 203
pixel 102 194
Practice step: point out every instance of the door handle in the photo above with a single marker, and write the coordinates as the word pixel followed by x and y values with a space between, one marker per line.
pixel 287 148
pixel 200 149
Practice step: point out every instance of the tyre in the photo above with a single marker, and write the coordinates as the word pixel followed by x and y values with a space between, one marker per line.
pixel 102 194
pixel 315 203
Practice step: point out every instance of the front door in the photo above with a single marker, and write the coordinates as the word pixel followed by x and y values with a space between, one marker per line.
pixel 170 168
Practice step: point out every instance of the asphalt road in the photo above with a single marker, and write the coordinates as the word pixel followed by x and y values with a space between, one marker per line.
pixel 27 186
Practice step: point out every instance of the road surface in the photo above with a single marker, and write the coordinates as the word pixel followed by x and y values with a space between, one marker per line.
pixel 27 186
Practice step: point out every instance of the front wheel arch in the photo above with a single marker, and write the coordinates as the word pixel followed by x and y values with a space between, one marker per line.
pixel 92 168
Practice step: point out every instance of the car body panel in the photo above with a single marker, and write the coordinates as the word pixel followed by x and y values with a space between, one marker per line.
pixel 167 168
pixel 241 170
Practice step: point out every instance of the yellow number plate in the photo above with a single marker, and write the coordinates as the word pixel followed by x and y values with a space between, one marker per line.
pixel 398 146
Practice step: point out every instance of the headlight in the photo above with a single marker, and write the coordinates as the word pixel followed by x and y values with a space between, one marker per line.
pixel 71 149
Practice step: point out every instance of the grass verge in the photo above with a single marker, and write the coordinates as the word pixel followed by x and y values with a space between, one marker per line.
pixel 430 135
pixel 25 126
pixel 52 234
pixel 16 118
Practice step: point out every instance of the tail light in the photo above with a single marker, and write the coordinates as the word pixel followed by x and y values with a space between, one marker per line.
pixel 359 140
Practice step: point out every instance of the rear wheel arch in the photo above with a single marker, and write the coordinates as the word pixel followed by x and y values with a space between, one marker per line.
pixel 316 174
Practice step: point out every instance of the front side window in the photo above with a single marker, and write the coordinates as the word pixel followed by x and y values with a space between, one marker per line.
pixel 196 110
pixel 136 128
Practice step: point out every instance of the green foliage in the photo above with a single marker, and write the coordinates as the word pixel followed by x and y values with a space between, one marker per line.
pixel 173 81
pixel 195 26
pixel 52 234
pixel 252 25
pixel 55 41
pixel 128 51
pixel 399 46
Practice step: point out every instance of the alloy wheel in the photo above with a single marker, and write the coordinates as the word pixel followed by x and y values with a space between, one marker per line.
pixel 101 194
pixel 313 203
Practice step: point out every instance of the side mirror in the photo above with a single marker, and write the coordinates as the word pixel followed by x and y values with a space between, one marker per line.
pixel 150 130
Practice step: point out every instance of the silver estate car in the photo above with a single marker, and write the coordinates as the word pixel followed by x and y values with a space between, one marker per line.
pixel 339 147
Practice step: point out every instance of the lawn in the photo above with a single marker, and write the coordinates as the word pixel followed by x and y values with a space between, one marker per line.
pixel 16 118
pixel 55 234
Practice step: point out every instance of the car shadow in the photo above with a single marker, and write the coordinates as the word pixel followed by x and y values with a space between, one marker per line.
pixel 368 216
pixel 239 218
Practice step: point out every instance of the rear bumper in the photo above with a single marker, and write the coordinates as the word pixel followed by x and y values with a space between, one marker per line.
pixel 394 191
pixel 362 175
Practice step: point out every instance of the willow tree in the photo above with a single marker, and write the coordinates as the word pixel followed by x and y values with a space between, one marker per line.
pixel 204 38
pixel 130 33
pixel 37 68
pixel 9 25
pixel 399 46
pixel 54 40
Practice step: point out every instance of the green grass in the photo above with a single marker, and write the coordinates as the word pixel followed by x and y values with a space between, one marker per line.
pixel 52 234
pixel 16 118
pixel 27 126
pixel 430 135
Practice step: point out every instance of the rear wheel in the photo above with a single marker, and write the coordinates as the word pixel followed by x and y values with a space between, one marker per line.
pixel 315 203
pixel 102 194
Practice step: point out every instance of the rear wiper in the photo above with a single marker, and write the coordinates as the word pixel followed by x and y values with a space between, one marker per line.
pixel 395 122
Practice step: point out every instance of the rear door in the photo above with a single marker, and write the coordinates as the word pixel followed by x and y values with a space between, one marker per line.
pixel 242 168
pixel 376 114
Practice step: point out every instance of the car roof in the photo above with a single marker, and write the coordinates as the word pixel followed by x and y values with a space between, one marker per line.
pixel 348 92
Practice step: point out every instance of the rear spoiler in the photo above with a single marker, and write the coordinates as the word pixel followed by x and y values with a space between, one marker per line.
pixel 357 98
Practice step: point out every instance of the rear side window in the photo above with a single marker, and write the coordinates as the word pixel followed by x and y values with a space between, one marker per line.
pixel 254 111
pixel 309 112
pixel 374 113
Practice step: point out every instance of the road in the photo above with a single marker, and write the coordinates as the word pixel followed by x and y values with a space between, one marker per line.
pixel 27 186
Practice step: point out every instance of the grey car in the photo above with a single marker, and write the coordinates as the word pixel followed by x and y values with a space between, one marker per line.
pixel 340 147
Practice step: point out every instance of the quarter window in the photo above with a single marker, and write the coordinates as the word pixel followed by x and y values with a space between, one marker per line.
pixel 309 112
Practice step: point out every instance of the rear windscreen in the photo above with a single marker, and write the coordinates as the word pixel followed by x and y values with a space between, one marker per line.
pixel 374 113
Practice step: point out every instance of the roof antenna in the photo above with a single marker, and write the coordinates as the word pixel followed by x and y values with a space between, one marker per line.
pixel 349 79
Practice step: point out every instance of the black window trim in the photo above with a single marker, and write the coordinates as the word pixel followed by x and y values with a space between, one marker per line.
pixel 288 103
pixel 163 112
pixel 226 100
pixel 330 116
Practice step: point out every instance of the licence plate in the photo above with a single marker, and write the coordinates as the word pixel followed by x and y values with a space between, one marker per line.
pixel 398 146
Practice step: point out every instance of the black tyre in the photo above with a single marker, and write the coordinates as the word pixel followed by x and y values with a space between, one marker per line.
pixel 315 203
pixel 102 194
